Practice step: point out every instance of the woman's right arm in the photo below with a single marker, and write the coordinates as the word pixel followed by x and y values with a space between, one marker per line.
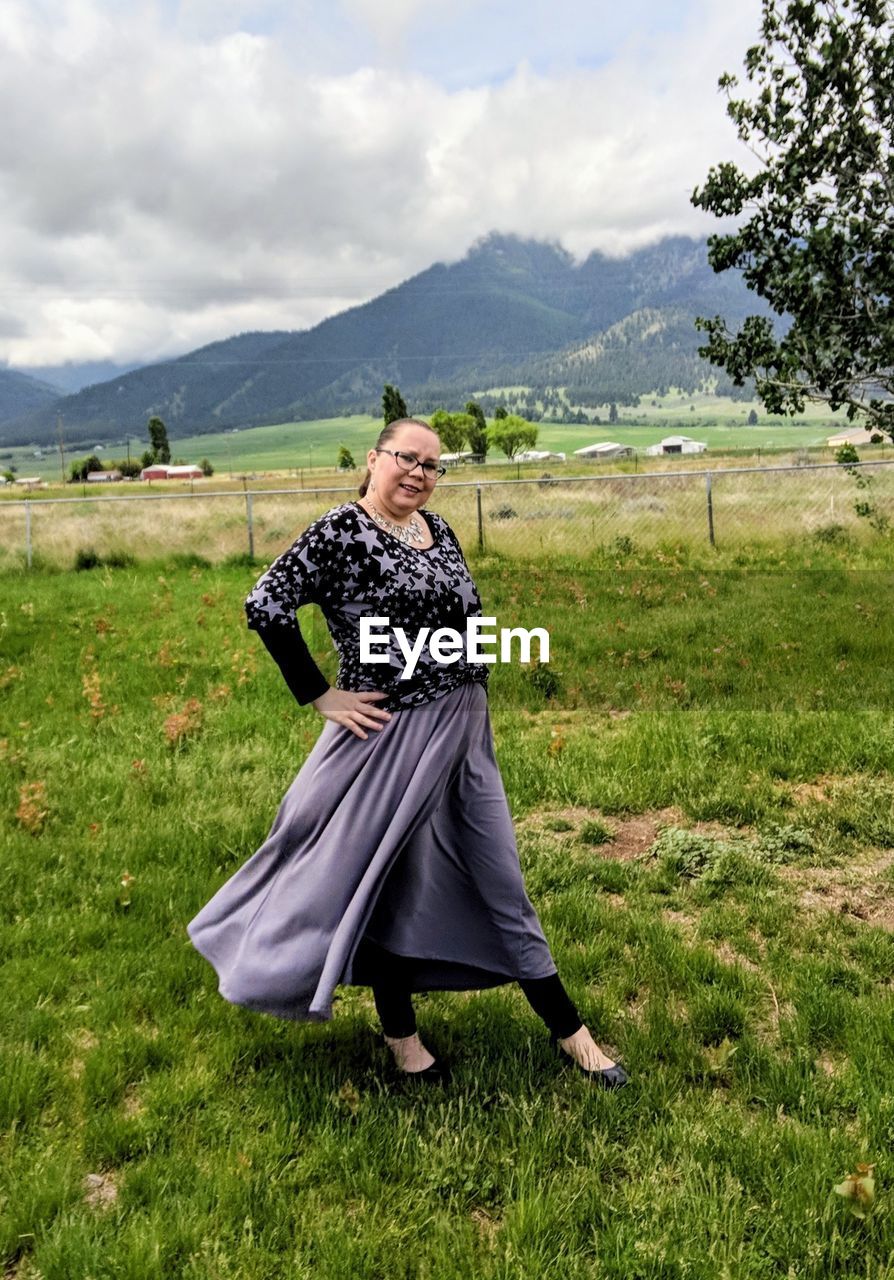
pixel 271 606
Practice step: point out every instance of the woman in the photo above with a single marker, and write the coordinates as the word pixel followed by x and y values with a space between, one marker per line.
pixel 392 860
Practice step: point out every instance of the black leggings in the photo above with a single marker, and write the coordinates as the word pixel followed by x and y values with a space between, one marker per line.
pixel 394 1004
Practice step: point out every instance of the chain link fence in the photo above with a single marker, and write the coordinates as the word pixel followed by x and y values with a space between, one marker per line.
pixel 552 515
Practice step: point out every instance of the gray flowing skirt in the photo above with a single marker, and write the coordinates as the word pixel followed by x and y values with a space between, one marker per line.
pixel 404 840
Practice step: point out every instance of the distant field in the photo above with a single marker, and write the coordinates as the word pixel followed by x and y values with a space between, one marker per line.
pixel 298 447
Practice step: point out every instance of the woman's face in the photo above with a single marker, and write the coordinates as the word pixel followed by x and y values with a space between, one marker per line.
pixel 402 491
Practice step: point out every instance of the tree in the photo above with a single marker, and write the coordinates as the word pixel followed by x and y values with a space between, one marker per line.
pixel 816 243
pixel 158 441
pixel 452 428
pixel 207 467
pixel 80 470
pixel 128 467
pixel 752 418
pixel 511 435
pixel 500 412
pixel 478 441
pixel 393 406
pixel 345 460
pixel 613 413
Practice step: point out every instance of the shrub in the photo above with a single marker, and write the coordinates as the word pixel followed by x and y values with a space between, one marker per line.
pixel 595 832
pixel 832 535
pixel 188 560
pixel 118 559
pixel 87 558
pixel 543 680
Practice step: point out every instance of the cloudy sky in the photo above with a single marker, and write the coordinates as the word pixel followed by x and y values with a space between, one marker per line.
pixel 177 171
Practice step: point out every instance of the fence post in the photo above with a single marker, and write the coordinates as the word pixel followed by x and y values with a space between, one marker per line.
pixel 480 519
pixel 710 507
pixel 251 528
pixel 28 533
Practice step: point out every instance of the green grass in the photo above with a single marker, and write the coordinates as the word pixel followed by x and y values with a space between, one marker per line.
pixel 299 448
pixel 705 813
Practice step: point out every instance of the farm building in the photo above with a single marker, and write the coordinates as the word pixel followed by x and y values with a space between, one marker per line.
pixel 856 435
pixel 454 459
pixel 191 472
pixel 538 455
pixel 605 449
pixel 103 477
pixel 676 444
pixel 164 471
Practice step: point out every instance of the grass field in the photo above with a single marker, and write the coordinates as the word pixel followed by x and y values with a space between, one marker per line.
pixel 702 781
pixel 301 447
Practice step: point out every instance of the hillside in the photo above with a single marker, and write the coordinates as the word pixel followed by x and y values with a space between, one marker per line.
pixel 511 312
pixel 22 394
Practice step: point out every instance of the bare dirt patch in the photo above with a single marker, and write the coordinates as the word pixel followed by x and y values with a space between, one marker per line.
pixel 631 837
pixel 100 1190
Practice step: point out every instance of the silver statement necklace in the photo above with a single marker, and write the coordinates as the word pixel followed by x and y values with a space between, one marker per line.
pixel 408 533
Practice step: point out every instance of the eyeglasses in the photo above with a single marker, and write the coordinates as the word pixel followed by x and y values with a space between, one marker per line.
pixel 409 461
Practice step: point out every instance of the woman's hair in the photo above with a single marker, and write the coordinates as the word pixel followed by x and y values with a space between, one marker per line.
pixel 386 434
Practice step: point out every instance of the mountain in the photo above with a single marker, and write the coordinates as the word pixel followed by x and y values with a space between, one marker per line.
pixel 511 312
pixel 70 377
pixel 22 394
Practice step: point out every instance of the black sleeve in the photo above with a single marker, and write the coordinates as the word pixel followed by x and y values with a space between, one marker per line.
pixel 291 581
pixel 292 656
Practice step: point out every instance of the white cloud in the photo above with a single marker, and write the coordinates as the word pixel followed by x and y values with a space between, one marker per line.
pixel 162 184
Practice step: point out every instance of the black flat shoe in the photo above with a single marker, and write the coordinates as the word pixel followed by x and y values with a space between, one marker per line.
pixel 436 1073
pixel 613 1077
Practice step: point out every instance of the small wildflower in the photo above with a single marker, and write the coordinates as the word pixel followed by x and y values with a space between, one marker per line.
pixel 32 811
pixel 127 881
pixel 347 1098
pixel 182 724
pixel 93 693
pixel 858 1189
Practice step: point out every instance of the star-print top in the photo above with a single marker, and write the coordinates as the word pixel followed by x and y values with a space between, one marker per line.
pixel 351 568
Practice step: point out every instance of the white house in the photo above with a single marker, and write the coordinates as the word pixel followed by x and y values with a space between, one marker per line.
pixel 856 435
pixel 538 455
pixel 676 444
pixel 604 449
pixel 190 472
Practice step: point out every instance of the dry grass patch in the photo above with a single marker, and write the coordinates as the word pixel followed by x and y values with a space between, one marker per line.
pixel 862 890
pixel 84 1041
pixel 486 1223
pixel 829 786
